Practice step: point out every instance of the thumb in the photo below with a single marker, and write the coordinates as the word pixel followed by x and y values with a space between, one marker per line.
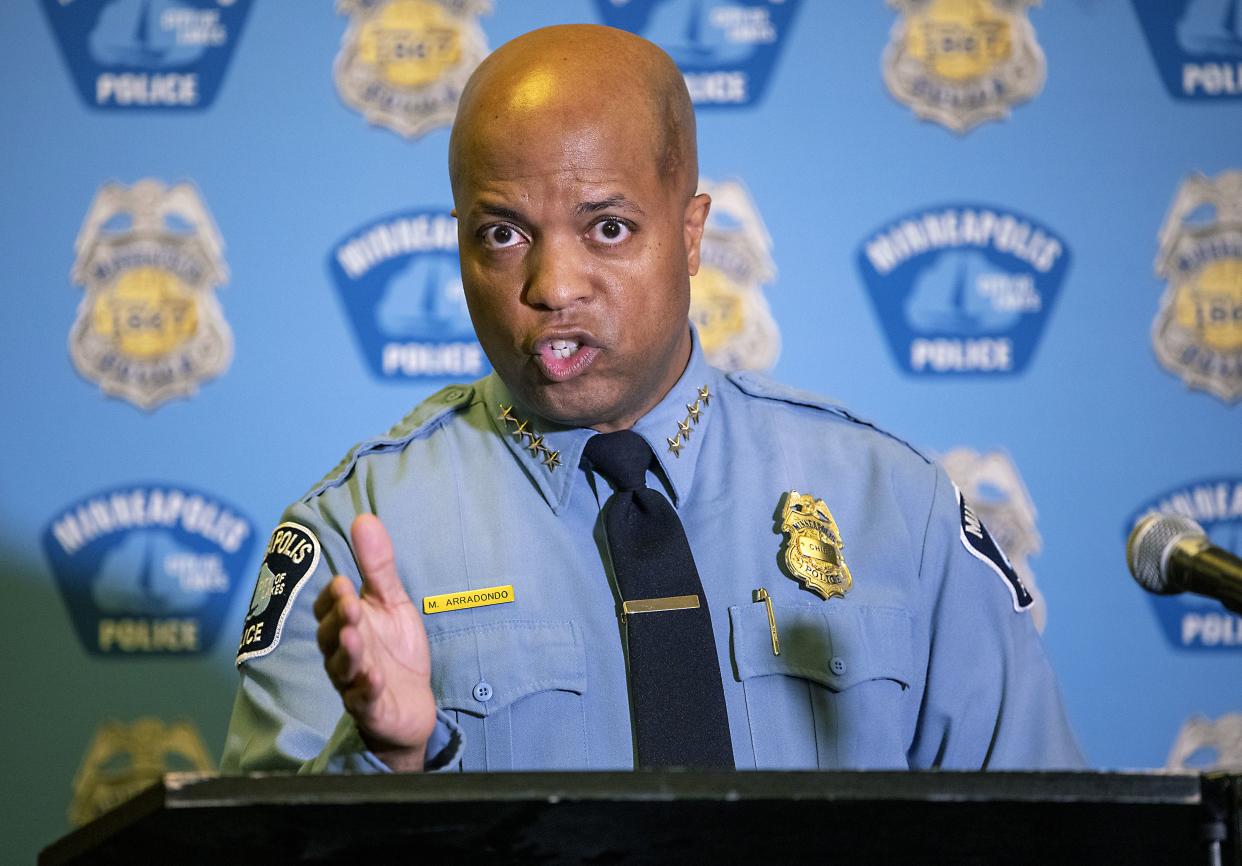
pixel 373 550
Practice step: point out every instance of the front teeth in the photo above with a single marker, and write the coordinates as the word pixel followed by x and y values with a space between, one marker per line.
pixel 563 348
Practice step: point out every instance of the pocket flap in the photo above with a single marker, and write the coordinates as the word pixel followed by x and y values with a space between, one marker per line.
pixel 835 645
pixel 482 669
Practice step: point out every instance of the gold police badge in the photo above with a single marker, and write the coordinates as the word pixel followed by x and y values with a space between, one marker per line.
pixel 150 327
pixel 403 63
pixel 125 759
pixel 1197 334
pixel 813 546
pixel 727 304
pixel 1219 740
pixel 962 62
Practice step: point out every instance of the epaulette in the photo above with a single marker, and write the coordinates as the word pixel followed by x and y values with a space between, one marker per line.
pixel 421 420
pixel 767 389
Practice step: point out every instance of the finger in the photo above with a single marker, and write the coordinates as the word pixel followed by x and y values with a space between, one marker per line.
pixel 346 610
pixel 373 549
pixel 328 635
pixel 324 602
pixel 343 665
pixel 338 587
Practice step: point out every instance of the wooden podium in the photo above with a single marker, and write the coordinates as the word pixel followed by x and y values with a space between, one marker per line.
pixel 926 818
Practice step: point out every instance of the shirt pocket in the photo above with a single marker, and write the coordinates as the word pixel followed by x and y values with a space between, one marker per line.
pixel 515 689
pixel 837 696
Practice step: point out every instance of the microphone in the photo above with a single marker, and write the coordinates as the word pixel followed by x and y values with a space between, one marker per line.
pixel 1168 553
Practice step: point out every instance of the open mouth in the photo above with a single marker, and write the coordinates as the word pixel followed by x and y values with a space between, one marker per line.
pixel 562 358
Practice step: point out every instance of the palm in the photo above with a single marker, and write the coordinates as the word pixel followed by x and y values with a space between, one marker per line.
pixel 375 651
pixel 397 645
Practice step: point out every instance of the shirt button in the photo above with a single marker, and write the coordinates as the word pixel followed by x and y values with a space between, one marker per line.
pixel 453 394
pixel 838 665
pixel 482 692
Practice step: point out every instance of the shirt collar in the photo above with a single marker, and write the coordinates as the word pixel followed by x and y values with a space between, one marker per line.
pixel 549 453
pixel 675 428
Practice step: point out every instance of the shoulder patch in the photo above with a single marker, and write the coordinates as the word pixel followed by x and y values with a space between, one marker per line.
pixel 761 386
pixel 979 544
pixel 292 555
pixel 420 419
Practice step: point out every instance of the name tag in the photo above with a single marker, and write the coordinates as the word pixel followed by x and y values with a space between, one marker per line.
pixel 470 598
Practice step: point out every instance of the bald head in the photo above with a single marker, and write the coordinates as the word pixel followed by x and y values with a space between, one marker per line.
pixel 560 76
pixel 574 174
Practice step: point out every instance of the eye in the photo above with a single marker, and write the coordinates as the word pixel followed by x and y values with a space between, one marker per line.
pixel 500 236
pixel 610 231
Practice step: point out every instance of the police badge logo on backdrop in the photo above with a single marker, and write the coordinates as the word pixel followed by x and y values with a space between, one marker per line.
pixel 963 62
pixel 399 281
pixel 1189 621
pixel 137 55
pixel 990 482
pixel 1197 46
pixel 1197 334
pixel 726 49
pixel 148 569
pixel 404 63
pixel 1205 745
pixel 727 304
pixel 150 327
pixel 123 759
pixel 963 289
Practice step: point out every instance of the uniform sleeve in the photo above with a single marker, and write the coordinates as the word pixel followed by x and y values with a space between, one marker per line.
pixel 990 699
pixel 287 715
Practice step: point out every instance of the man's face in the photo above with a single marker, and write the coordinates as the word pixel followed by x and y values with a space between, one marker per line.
pixel 576 256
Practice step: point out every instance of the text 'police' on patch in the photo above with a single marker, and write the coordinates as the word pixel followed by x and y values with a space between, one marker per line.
pixel 292 555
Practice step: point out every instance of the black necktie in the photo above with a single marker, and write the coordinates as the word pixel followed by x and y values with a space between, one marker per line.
pixel 675 687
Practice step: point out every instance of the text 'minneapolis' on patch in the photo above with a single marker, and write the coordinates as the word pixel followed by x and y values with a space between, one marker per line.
pixel 727 49
pixel 399 281
pixel 148 569
pixel 136 55
pixel 1197 46
pixel 963 289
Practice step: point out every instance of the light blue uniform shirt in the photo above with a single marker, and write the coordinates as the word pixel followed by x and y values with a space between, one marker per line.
pixel 925 662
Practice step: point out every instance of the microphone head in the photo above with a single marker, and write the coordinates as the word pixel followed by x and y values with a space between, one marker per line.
pixel 1151 541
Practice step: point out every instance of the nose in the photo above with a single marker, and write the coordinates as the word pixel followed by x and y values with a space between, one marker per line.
pixel 558 276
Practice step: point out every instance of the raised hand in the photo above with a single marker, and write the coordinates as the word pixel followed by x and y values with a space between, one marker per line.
pixel 375 652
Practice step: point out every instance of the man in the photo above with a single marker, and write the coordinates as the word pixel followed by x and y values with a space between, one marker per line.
pixel 624 557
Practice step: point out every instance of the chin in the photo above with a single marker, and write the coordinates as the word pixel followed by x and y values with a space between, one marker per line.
pixel 569 403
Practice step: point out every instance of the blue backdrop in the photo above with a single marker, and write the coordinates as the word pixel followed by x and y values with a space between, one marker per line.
pixel 1011 234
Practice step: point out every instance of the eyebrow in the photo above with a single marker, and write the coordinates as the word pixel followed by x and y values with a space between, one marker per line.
pixel 501 211
pixel 619 202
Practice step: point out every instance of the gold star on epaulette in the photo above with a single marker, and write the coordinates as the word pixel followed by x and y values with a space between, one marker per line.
pixel 694 410
pixel 534 442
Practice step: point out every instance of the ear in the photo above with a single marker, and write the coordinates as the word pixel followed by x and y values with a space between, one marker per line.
pixel 695 220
